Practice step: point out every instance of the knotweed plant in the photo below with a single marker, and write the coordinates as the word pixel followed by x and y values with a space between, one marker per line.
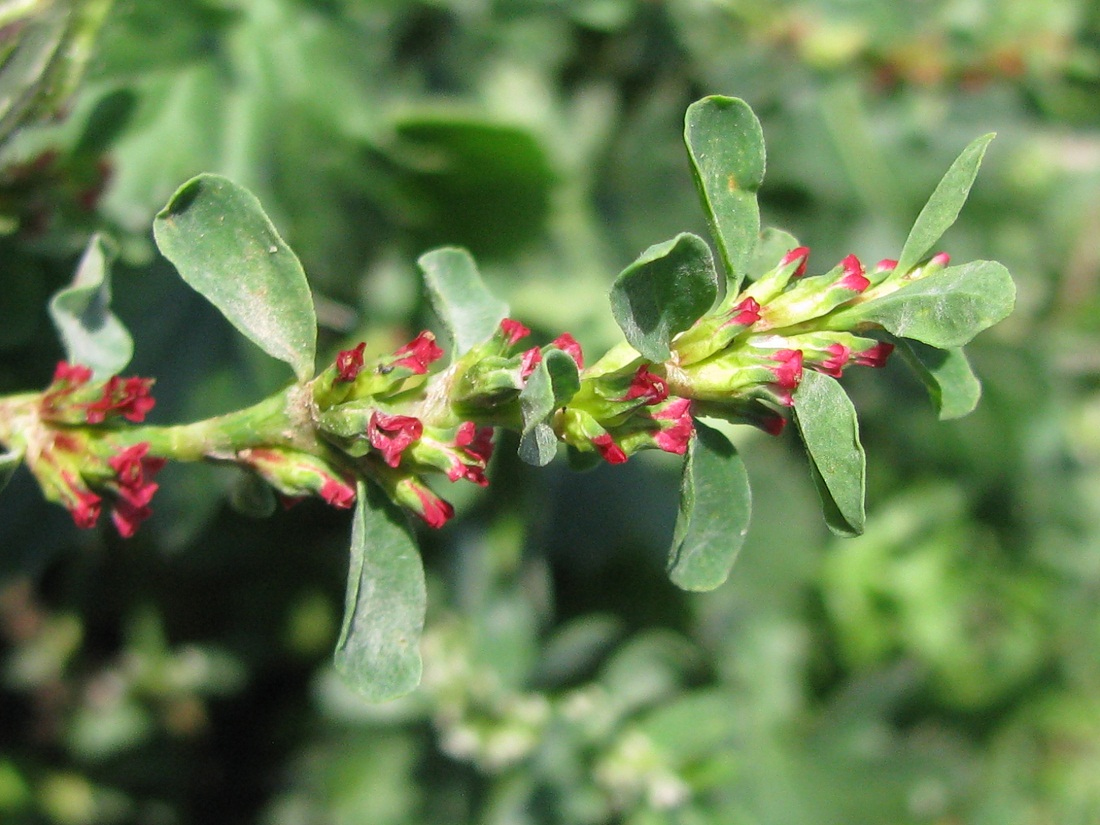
pixel 384 434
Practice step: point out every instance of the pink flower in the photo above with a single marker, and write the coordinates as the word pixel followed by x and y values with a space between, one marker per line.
pixel 648 386
pixel 886 265
pixel 800 254
pixel 85 506
pixel 531 359
pixel 513 331
pixel 419 353
pixel 435 511
pixel 940 259
pixel 349 363
pixel 837 360
pixel 391 434
pixel 338 493
pixel 476 442
pixel 568 344
pixel 746 313
pixel 611 452
pixel 875 356
pixel 128 397
pixel 788 372
pixel 72 375
pixel 853 277
pixel 675 437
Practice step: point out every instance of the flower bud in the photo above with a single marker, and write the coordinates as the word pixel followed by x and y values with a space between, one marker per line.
pixel 296 474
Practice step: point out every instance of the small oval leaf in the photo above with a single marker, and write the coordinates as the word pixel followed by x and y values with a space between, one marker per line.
pixel 460 298
pixel 664 292
pixel 946 374
pixel 92 334
pixel 726 148
pixel 378 651
pixel 225 247
pixel 715 505
pixel 554 381
pixel 944 205
pixel 830 432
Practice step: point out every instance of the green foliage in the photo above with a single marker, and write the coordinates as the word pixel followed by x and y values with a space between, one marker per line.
pixel 91 333
pixel 467 309
pixel 224 245
pixel 664 292
pixel 726 148
pixel 946 374
pixel 553 383
pixel 379 645
pixel 715 504
pixel 830 432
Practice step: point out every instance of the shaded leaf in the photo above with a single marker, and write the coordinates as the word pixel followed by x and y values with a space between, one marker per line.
pixel 378 650
pixel 461 300
pixel 945 309
pixel 92 334
pixel 552 384
pixel 726 147
pixel 946 374
pixel 943 207
pixel 664 292
pixel 223 244
pixel 830 432
pixel 715 506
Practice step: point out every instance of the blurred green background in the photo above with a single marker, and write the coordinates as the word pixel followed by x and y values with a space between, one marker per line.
pixel 944 668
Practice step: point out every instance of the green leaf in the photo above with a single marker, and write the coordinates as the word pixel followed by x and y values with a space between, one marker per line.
pixel 770 249
pixel 951 384
pixel 223 244
pixel 378 651
pixel 726 147
pixel 8 463
pixel 830 432
pixel 91 333
pixel 664 292
pixel 552 384
pixel 943 207
pixel 715 505
pixel 945 309
pixel 465 306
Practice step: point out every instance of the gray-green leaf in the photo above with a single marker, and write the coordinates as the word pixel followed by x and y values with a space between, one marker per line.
pixel 726 147
pixel 92 334
pixel 946 374
pixel 715 505
pixel 830 432
pixel 461 300
pixel 945 309
pixel 551 385
pixel 664 292
pixel 224 245
pixel 378 651
pixel 943 207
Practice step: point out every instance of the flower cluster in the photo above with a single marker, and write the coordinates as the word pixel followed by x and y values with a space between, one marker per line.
pixel 73 398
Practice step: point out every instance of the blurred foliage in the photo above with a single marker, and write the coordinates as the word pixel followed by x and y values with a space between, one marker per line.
pixel 942 668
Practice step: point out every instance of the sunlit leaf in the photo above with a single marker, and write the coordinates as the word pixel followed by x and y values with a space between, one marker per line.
pixel 461 300
pixel 946 374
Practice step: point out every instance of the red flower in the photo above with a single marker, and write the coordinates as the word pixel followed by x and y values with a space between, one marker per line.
pixel 611 452
pixel 128 397
pixel 886 265
pixel 426 504
pixel 531 359
pixel 391 434
pixel 648 386
pixel 349 363
pixel 73 375
pixel 853 277
pixel 568 344
pixel 875 356
pixel 513 331
pixel 338 493
pixel 745 314
pixel 85 506
pixel 772 423
pixel 134 475
pixel 419 353
pixel 675 437
pixel 800 254
pixel 837 360
pixel 788 373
